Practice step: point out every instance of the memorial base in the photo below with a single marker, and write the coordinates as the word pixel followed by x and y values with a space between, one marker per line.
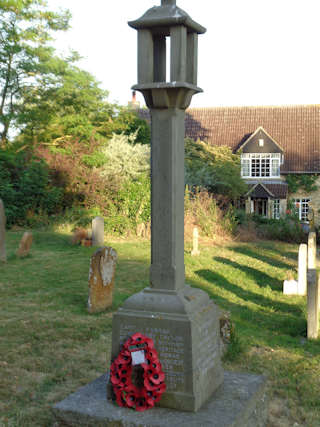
pixel 186 332
pixel 240 401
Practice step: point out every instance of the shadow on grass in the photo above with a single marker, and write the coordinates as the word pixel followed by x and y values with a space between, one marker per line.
pixel 245 250
pixel 287 321
pixel 246 295
pixel 262 279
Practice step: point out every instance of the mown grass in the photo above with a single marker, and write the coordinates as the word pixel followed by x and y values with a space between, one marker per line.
pixel 50 345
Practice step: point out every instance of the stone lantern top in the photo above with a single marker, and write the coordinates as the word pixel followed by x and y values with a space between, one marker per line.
pixel 160 18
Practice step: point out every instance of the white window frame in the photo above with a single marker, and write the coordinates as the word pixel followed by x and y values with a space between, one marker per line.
pixel 276 209
pixel 260 165
pixel 302 208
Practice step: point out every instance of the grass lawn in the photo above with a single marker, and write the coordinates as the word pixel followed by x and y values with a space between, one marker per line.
pixel 50 345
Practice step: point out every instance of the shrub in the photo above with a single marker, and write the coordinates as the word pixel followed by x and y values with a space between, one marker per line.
pixel 26 188
pixel 125 160
pixel 204 210
pixel 215 168
pixel 285 229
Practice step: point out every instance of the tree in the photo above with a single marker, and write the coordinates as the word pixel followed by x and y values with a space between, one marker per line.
pixel 25 55
pixel 214 168
pixel 68 104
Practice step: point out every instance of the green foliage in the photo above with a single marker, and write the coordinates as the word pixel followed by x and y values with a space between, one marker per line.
pixel 214 168
pixel 305 182
pixel 25 55
pixel 286 229
pixel 132 205
pixel 125 160
pixel 208 215
pixel 129 123
pixel 111 181
pixel 25 188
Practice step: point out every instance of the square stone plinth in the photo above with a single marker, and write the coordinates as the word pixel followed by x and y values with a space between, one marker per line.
pixel 185 329
pixel 239 402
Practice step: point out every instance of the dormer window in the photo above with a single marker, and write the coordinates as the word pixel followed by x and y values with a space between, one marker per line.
pixel 261 142
pixel 260 165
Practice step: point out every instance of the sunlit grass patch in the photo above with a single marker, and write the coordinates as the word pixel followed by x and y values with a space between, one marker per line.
pixel 50 345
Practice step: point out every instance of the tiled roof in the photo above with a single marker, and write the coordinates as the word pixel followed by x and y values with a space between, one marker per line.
pixel 295 128
pixel 279 191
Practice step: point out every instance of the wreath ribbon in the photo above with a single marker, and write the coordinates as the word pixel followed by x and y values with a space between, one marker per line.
pixel 127 394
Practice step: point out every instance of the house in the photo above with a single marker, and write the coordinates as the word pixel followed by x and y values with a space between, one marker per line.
pixel 274 142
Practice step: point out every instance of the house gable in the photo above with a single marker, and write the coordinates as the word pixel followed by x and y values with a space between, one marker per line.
pixel 260 142
pixel 259 190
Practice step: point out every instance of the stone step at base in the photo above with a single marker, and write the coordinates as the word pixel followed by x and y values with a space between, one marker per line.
pixel 240 401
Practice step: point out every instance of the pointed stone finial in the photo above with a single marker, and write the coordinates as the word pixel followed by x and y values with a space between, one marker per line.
pixel 168 2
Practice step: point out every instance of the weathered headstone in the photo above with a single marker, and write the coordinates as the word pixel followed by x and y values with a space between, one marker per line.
pixel 302 269
pixel 98 231
pixel 25 244
pixel 313 304
pixel 101 279
pixel 3 256
pixel 312 250
pixel 195 250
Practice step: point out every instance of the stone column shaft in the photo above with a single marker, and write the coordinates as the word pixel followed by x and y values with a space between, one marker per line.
pixel 167 199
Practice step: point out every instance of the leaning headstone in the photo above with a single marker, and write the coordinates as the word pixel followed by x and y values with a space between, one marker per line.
pixel 25 244
pixel 101 279
pixel 97 231
pixel 290 287
pixel 3 256
pixel 302 269
pixel 195 251
pixel 313 304
pixel 312 250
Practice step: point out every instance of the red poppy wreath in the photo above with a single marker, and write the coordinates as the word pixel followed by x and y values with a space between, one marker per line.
pixel 138 349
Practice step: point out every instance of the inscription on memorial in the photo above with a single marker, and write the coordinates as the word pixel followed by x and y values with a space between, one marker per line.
pixel 208 347
pixel 170 348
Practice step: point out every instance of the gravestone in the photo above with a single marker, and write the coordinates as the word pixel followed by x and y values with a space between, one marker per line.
pixel 312 250
pixel 101 279
pixel 195 250
pixel 98 231
pixel 302 269
pixel 25 244
pixel 3 256
pixel 313 304
pixel 290 287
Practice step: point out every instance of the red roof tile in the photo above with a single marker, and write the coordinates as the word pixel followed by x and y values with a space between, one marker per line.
pixel 295 128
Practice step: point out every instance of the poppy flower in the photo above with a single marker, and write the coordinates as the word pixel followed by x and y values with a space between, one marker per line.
pixel 152 355
pixel 124 358
pixel 149 385
pixel 150 397
pixel 159 391
pixel 119 398
pixel 131 400
pixel 141 404
pixel 115 378
pixel 157 377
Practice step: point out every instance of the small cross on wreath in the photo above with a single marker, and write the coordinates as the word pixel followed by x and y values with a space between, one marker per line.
pixel 137 350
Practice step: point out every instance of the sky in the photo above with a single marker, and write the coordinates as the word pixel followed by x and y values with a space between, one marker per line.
pixel 255 52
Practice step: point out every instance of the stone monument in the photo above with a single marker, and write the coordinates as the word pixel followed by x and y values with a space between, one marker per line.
pixel 3 256
pixel 182 321
pixel 101 279
pixel 98 231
